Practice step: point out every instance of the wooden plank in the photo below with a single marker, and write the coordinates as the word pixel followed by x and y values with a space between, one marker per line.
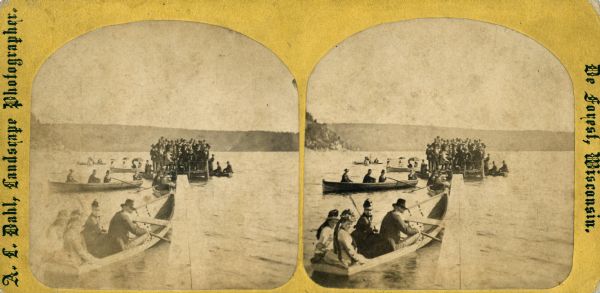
pixel 152 221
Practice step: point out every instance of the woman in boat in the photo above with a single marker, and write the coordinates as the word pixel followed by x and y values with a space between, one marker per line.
pixel 382 177
pixel 74 244
pixel 393 229
pixel 343 244
pixel 107 177
pixel 345 177
pixel 93 233
pixel 325 236
pixel 368 178
pixel 365 234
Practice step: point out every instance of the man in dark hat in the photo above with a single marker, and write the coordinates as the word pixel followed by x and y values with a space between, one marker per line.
pixel 93 178
pixel 382 176
pixel 228 168
pixel 93 233
pixel 368 178
pixel 393 228
pixel 504 168
pixel 120 225
pixel 365 233
pixel 345 177
pixel 70 178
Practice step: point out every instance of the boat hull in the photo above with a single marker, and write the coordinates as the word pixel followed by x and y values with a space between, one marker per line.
pixel 330 186
pixel 91 187
pixel 397 169
pixel 126 170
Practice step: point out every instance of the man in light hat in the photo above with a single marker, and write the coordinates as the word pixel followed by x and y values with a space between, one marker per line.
pixel 393 228
pixel 345 177
pixel 365 233
pixel 119 227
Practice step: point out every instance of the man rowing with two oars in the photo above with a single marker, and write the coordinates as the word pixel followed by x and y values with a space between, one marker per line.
pixel 120 227
pixel 393 227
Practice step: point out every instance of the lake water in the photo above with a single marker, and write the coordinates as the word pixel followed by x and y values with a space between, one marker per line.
pixel 235 233
pixel 513 232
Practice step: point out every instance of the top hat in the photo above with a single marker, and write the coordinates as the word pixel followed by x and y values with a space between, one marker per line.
pixel 129 203
pixel 368 204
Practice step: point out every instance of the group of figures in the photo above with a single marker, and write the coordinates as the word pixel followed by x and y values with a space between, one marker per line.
pixel 85 240
pixel 175 154
pixel 340 240
pixel 459 154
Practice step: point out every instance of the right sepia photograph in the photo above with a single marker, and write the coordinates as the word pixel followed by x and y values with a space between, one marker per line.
pixel 439 154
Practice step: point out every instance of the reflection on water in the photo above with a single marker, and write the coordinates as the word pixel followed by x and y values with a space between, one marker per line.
pixel 230 224
pixel 515 232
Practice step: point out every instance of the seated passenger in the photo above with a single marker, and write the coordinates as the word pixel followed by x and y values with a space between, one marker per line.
pixel 368 178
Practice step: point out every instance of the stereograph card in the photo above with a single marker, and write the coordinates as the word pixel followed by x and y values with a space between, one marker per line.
pixel 299 146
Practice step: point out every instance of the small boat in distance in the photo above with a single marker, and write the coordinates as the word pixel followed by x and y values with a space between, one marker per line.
pixel 331 186
pixel 126 170
pixel 88 187
pixel 397 169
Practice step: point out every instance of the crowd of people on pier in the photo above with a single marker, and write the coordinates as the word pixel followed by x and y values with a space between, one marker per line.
pixel 179 153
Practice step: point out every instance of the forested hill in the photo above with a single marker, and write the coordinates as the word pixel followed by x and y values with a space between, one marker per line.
pixel 114 138
pixel 320 137
pixel 392 137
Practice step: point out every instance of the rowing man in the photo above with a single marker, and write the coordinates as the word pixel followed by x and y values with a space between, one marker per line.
pixel 368 178
pixel 120 226
pixel 394 227
pixel 345 177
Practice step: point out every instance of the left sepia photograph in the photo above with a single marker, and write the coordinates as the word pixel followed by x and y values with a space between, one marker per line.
pixel 164 155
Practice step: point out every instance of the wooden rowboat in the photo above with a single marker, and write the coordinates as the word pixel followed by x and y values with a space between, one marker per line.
pixel 158 224
pixel 88 187
pixel 126 170
pixel 397 169
pixel 433 224
pixel 366 164
pixel 331 186
pixel 228 175
pixel 475 174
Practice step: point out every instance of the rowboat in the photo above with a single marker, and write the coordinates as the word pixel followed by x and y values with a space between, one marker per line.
pixel 160 211
pixel 228 175
pixel 331 186
pixel 126 170
pixel 499 173
pixel 396 169
pixel 475 174
pixel 366 163
pixel 87 187
pixel 435 207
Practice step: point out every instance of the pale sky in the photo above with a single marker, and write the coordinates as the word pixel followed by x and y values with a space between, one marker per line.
pixel 167 74
pixel 442 72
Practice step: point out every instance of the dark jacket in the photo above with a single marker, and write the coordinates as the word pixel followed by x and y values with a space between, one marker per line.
pixel 392 228
pixel 120 225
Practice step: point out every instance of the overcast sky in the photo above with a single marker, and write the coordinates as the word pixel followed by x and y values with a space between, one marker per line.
pixel 168 74
pixel 442 72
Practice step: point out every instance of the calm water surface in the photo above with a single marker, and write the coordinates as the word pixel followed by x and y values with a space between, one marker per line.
pixel 238 232
pixel 514 232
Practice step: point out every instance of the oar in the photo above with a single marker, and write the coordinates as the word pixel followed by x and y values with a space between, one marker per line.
pixel 354 203
pixel 126 182
pixel 393 179
pixel 430 236
pixel 411 191
pixel 141 189
pixel 160 237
